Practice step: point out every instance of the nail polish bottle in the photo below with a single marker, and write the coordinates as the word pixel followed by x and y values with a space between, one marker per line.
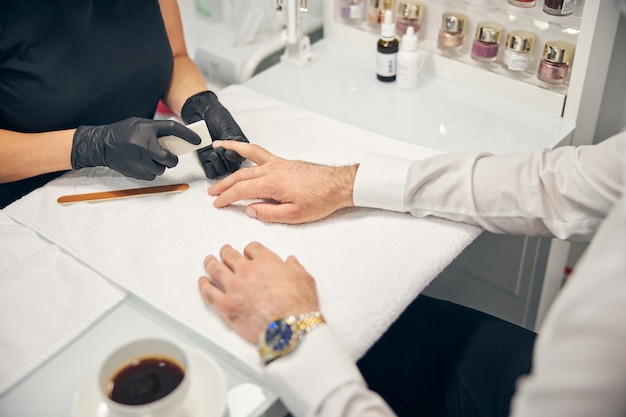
pixel 387 50
pixel 517 50
pixel 557 58
pixel 408 61
pixel 409 14
pixel 377 10
pixel 486 42
pixel 522 3
pixel 451 34
pixel 352 11
pixel 558 7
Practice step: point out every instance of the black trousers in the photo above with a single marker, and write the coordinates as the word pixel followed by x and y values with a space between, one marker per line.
pixel 442 359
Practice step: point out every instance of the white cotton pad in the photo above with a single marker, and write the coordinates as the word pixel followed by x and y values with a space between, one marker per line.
pixel 179 146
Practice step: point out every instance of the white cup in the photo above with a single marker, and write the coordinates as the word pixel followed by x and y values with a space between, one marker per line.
pixel 142 349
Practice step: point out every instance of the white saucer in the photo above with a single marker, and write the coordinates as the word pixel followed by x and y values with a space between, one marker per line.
pixel 206 397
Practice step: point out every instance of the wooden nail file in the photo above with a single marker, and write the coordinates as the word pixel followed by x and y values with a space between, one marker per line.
pixel 179 146
pixel 117 194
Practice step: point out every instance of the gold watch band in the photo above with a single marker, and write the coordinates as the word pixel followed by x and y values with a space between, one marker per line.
pixel 283 343
pixel 307 321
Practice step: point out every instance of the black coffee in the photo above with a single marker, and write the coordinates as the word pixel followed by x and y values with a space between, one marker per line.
pixel 145 380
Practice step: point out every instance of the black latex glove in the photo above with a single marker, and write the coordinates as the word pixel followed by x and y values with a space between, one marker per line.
pixel 130 146
pixel 205 106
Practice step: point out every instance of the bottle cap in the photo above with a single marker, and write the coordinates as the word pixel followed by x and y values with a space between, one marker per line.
pixel 413 11
pixel 388 28
pixel 488 32
pixel 452 22
pixel 409 40
pixel 558 52
pixel 519 41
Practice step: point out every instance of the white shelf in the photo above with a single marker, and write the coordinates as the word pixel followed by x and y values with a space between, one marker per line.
pixel 439 114
pixel 524 89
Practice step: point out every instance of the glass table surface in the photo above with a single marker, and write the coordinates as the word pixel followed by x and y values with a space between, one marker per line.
pixel 50 389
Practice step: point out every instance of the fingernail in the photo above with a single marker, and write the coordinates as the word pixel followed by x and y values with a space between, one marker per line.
pixel 250 211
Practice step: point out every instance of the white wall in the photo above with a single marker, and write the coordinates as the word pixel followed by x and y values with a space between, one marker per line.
pixel 612 117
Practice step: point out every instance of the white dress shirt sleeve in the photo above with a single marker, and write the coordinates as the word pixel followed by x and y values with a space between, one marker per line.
pixel 564 193
pixel 319 379
pixel 579 358
pixel 380 182
pixel 579 364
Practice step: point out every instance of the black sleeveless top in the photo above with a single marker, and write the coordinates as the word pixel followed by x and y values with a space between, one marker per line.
pixel 78 62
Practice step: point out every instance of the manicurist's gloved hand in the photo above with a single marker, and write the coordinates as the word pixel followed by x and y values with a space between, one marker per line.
pixel 205 106
pixel 130 146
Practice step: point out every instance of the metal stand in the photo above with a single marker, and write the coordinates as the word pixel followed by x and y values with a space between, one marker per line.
pixel 298 47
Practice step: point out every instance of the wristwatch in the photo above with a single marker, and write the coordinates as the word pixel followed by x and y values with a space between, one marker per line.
pixel 283 335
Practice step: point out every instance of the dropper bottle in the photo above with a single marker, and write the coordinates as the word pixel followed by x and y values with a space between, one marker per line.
pixel 387 50
pixel 408 61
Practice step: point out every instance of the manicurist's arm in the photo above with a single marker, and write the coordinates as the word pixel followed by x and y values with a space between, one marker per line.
pixel 187 79
pixel 127 146
pixel 24 155
pixel 188 96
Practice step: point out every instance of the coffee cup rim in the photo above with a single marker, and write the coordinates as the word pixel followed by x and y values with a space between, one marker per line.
pixel 149 347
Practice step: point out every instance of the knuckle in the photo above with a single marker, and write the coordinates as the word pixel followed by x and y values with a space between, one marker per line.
pixel 168 123
pixel 251 172
pixel 253 245
pixel 206 293
pixel 239 188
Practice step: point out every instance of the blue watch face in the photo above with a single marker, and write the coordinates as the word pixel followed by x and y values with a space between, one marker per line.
pixel 278 335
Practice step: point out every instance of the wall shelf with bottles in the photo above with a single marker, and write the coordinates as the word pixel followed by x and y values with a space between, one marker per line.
pixel 524 86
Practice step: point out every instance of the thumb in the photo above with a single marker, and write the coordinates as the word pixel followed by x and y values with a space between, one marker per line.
pixel 170 127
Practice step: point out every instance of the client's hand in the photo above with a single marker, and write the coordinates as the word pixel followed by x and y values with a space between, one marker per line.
pixel 251 289
pixel 130 146
pixel 297 191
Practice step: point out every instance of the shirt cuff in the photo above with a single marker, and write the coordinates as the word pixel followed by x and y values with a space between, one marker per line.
pixel 380 182
pixel 318 366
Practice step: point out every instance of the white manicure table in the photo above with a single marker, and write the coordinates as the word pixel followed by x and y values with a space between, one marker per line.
pixel 77 281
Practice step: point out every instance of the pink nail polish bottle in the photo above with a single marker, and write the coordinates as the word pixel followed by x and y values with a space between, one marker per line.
pixel 409 14
pixel 557 58
pixel 486 42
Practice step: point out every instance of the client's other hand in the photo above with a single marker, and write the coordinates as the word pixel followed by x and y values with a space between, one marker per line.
pixel 250 290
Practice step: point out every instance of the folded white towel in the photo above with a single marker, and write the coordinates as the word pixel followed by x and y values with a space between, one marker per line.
pixel 369 264
pixel 46 299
